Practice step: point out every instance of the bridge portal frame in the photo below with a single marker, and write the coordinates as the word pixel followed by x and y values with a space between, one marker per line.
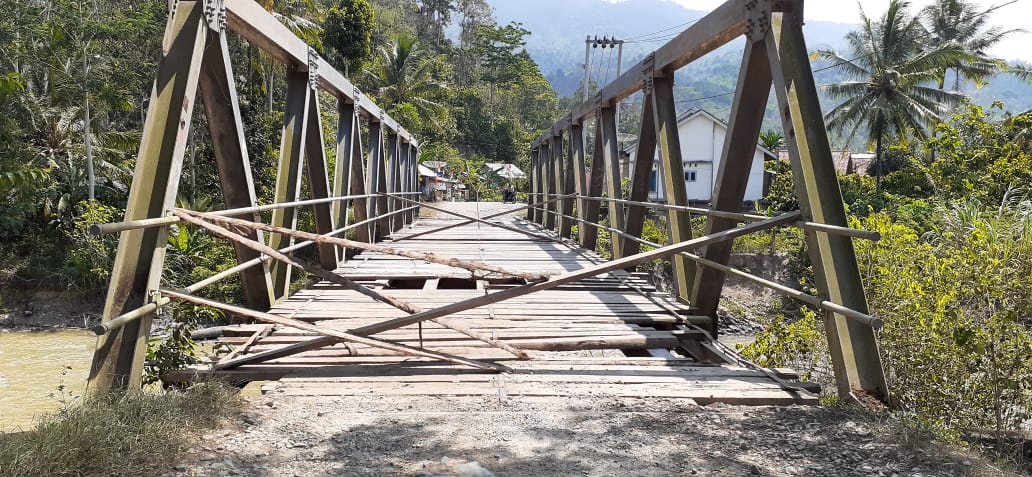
pixel 775 57
pixel 195 59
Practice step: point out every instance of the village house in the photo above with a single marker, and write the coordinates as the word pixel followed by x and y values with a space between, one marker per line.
pixel 702 140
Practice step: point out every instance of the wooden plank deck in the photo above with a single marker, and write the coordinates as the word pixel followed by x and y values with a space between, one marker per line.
pixel 607 335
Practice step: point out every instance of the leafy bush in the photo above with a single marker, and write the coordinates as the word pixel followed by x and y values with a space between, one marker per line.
pixel 88 264
pixel 799 343
pixel 957 305
pixel 957 309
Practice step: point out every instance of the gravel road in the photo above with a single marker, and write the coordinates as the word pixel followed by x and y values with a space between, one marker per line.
pixel 402 436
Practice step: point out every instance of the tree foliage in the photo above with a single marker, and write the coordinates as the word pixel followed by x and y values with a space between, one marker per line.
pixel 891 65
pixel 961 24
pixel 348 34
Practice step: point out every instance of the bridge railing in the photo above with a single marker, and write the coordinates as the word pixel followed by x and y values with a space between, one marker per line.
pixel 370 179
pixel 775 58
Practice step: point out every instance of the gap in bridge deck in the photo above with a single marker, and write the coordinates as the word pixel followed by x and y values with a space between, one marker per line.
pixel 598 336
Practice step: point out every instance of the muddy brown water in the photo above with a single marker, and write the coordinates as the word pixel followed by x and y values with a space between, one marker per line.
pixel 40 372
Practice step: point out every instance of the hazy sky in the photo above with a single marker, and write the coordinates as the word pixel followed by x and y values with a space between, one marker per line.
pixel 1016 15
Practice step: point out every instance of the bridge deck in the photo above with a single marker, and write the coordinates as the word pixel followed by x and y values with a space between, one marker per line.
pixel 574 333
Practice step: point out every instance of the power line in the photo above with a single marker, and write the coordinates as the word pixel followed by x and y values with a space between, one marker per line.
pixel 655 39
pixel 729 93
pixel 637 37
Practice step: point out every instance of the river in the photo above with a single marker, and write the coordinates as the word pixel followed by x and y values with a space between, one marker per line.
pixel 34 366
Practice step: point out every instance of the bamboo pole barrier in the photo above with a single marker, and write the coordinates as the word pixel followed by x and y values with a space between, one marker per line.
pixel 331 333
pixel 819 302
pixel 474 219
pixel 115 227
pixel 334 278
pixel 276 255
pixel 519 291
pixel 427 257
pixel 125 318
pixel 831 229
pixel 264 258
pixel 467 222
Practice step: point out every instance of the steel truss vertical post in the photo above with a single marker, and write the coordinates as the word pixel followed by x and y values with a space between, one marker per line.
pixel 229 143
pixel 532 197
pixel 360 173
pixel 542 193
pixel 560 180
pixel 119 357
pixel 580 182
pixel 288 175
pixel 414 165
pixel 548 182
pixel 542 170
pixel 383 222
pixel 319 180
pixel 743 132
pixel 568 185
pixel 614 178
pixel 401 220
pixel 595 185
pixel 853 345
pixel 342 167
pixel 678 221
pixel 393 181
pixel 640 177
pixel 409 176
pixel 375 177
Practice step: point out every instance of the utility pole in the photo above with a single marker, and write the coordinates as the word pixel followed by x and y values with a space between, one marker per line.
pixel 587 67
pixel 604 42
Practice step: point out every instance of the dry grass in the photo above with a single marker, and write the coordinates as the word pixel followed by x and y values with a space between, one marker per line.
pixel 131 434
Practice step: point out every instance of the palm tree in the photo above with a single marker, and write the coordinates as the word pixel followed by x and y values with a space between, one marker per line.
pixel 959 23
pixel 890 70
pixel 772 140
pixel 406 78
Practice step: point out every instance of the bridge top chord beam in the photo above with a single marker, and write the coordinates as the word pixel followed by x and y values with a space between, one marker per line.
pixel 248 19
pixel 727 22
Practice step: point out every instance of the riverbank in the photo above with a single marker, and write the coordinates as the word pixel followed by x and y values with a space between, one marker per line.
pixel 48 309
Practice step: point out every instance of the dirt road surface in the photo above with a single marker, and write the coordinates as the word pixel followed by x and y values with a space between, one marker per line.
pixel 466 437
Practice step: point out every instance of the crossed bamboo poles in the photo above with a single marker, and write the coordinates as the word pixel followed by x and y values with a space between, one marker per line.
pixel 219 225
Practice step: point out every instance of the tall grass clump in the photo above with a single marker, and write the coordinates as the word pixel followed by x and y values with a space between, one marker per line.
pixel 118 434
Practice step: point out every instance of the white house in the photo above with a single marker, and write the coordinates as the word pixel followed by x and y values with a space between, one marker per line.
pixel 702 140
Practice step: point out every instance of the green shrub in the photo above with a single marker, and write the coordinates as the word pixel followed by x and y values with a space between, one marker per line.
pixel 783 342
pixel 89 259
pixel 957 309
pixel 957 305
